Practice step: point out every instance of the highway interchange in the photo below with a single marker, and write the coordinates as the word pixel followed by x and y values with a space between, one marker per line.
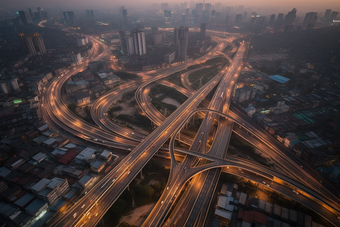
pixel 143 147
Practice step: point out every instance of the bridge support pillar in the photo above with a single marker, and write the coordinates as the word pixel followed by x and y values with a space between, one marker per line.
pixel 141 175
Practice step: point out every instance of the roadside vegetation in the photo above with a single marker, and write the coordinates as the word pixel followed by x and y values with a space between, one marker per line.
pixel 245 148
pixel 87 118
pixel 159 92
pixel 141 193
pixel 126 76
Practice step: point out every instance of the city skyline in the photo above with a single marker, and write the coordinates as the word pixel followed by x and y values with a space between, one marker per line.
pixel 303 4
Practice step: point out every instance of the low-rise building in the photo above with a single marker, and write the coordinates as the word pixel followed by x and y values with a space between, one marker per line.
pixel 244 94
pixel 169 57
pixel 85 155
pixel 85 180
pixel 97 166
pixel 50 190
pixel 106 155
pixel 36 207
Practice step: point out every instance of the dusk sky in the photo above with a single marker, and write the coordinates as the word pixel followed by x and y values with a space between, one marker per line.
pixel 316 5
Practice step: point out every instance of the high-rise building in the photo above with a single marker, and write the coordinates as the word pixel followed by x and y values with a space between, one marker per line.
pixel 167 16
pixel 310 20
pixel 30 13
pixel 327 14
pixel 164 6
pixel 227 20
pixel 184 19
pixel 176 41
pixel 272 19
pixel 39 17
pixel 333 16
pixel 27 44
pixel 89 13
pixel 203 29
pixel 154 30
pixel 39 44
pixel 24 17
pixel 157 38
pixel 82 40
pixel 122 41
pixel 290 17
pixel 199 8
pixel 9 85
pixel 69 17
pixel 238 19
pixel 130 49
pixel 207 7
pixel 183 36
pixel 139 42
pixel 32 45
pixel 279 20
pixel 124 16
pixel 245 16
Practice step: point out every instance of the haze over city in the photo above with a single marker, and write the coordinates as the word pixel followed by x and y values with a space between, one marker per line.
pixel 158 113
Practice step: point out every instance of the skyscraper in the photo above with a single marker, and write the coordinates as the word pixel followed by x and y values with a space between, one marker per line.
pixel 279 20
pixel 333 16
pixel 272 19
pixel 310 20
pixel 39 44
pixel 69 17
pixel 24 17
pixel 327 14
pixel 130 49
pixel 139 42
pixel 39 18
pixel 27 44
pixel 154 30
pixel 184 19
pixel 167 16
pixel 124 15
pixel 183 37
pixel 30 13
pixel 199 8
pixel 164 6
pixel 203 29
pixel 176 41
pixel 89 13
pixel 122 41
pixel 290 17
pixel 238 19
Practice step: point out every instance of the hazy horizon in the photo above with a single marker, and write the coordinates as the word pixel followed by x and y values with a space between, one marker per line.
pixel 302 5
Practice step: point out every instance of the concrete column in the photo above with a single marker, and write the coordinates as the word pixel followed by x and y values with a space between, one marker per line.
pixel 141 175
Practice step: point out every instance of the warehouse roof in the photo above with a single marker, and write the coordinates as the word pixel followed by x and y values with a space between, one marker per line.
pixel 280 79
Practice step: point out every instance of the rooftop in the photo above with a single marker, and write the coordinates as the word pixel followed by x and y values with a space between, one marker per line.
pixel 97 164
pixel 280 79
pixel 55 182
pixel 40 185
pixel 105 153
pixel 4 171
pixel 24 200
pixel 35 206
pixel 85 179
pixel 86 154
pixel 39 157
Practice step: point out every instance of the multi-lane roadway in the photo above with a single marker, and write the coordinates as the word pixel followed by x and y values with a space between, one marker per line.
pixel 143 147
